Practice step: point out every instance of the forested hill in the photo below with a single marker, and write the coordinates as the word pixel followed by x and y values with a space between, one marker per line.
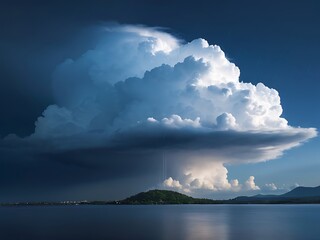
pixel 164 197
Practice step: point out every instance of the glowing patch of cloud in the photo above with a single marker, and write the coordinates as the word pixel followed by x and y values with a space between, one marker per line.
pixel 251 185
pixel 271 186
pixel 171 183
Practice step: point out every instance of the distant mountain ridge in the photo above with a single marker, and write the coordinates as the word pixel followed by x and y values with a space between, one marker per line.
pixel 297 195
pixel 303 192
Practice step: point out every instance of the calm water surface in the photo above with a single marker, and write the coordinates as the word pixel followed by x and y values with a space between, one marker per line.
pixel 258 222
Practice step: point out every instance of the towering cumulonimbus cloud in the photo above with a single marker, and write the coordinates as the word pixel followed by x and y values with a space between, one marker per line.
pixel 142 89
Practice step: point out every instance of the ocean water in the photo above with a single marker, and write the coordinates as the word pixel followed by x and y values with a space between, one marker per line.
pixel 194 222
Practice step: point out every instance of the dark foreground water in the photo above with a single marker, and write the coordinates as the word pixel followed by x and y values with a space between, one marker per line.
pixel 196 222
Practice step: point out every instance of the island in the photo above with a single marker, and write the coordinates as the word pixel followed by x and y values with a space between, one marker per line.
pixel 164 197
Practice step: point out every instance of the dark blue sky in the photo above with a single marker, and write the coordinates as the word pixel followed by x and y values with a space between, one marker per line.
pixel 274 42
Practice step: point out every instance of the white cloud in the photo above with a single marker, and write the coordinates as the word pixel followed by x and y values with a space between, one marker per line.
pixel 226 121
pixel 171 183
pixel 210 176
pixel 125 81
pixel 271 186
pixel 177 121
pixel 250 184
pixel 204 177
pixel 235 185
pixel 156 40
pixel 140 85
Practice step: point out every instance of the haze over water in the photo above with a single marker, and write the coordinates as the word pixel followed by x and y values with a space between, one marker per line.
pixel 223 222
